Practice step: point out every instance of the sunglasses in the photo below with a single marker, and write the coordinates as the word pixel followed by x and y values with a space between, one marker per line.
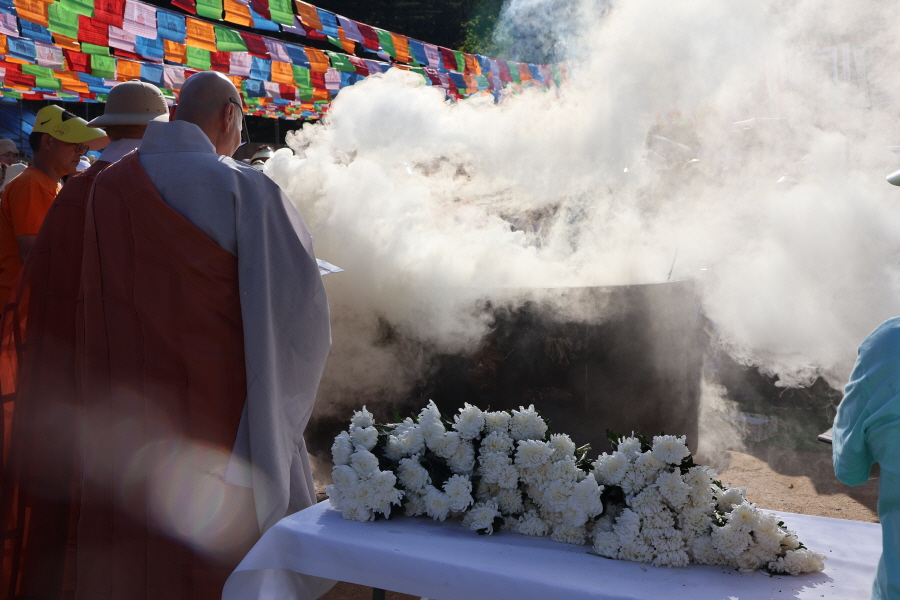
pixel 245 134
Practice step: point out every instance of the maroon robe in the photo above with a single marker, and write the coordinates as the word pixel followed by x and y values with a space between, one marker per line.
pixel 123 487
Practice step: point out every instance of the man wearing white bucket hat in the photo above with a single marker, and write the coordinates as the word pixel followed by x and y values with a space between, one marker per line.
pixel 39 501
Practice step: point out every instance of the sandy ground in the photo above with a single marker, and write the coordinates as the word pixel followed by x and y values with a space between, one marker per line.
pixel 797 481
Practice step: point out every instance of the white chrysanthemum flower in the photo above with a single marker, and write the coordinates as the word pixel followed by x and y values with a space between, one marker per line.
pixel 694 522
pixel 364 463
pixel 673 489
pixel 469 422
pixel 530 524
pixel 415 505
pixel 411 441
pixel 569 535
pixel 636 551
pixel 609 469
pixel 790 541
pixel 606 543
pixel 486 491
pixel 448 445
pixel 383 492
pixel 729 541
pixel 670 449
pixel 509 501
pixel 459 492
pixel 629 448
pixel 412 474
pixel 430 424
pixel 628 525
pixel 358 513
pixel 562 445
pixel 743 517
pixel 585 499
pixel 730 497
pixel 366 437
pixel 648 467
pixel 437 503
pixel 497 442
pixel 362 419
pixel 565 469
pixel 664 519
pixel 799 561
pixel 342 448
pixel 677 558
pixel 334 496
pixel 392 449
pixel 481 517
pixel 497 422
pixel 527 424
pixel 508 477
pixel 463 460
pixel 703 552
pixel 344 477
pixel 492 465
pixel 666 539
pixel 648 502
pixel 556 495
pixel 531 454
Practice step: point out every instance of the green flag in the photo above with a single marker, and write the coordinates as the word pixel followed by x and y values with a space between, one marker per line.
pixel 460 61
pixel 514 72
pixel 210 9
pixel 103 66
pixel 63 21
pixel 82 7
pixel 50 83
pixel 387 42
pixel 94 50
pixel 557 77
pixel 198 58
pixel 340 62
pixel 12 94
pixel 37 71
pixel 334 42
pixel 229 40
pixel 281 11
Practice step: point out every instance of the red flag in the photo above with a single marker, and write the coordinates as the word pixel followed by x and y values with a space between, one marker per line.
pixel 186 5
pixel 111 12
pixel 287 92
pixel 92 31
pixel 255 45
pixel 371 38
pixel 449 59
pixel 220 61
pixel 261 7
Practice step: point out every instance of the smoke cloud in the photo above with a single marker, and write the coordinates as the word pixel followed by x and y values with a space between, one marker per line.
pixel 741 144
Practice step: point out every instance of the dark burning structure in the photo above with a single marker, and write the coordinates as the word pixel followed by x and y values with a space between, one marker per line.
pixel 635 364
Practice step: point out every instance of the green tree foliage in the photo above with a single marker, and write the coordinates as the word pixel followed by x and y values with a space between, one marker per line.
pixel 456 24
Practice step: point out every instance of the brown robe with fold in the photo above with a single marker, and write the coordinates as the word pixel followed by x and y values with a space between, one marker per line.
pixel 114 489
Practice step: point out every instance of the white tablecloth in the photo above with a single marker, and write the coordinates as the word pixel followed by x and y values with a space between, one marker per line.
pixel 449 562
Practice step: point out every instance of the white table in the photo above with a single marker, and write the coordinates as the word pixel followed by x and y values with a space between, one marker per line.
pixel 422 557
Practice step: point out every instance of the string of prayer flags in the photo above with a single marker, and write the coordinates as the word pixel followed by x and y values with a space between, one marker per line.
pixel 77 50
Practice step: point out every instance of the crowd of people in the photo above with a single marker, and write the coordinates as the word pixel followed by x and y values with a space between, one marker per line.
pixel 164 331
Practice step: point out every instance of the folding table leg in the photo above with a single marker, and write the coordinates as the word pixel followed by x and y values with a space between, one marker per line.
pixel 377 594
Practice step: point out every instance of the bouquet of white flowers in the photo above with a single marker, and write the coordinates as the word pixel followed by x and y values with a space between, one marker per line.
pixel 645 502
pixel 663 509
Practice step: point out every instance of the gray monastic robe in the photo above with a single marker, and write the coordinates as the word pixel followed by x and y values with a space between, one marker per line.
pixel 287 333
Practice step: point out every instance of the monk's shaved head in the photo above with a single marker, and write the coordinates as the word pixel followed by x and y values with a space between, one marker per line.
pixel 207 100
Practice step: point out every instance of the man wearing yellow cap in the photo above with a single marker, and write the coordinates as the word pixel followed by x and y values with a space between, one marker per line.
pixel 58 141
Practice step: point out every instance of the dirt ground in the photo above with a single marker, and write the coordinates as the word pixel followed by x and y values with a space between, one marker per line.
pixel 797 481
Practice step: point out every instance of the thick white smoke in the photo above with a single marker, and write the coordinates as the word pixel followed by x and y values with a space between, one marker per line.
pixel 666 146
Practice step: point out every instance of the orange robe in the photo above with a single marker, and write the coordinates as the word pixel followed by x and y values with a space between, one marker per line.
pixel 132 478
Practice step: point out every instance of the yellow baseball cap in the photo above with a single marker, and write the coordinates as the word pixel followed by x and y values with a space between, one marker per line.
pixel 66 127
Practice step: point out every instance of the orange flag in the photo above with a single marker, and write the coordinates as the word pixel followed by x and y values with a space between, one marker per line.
pixel 126 70
pixel 282 72
pixel 309 15
pixel 175 52
pixel 201 34
pixel 33 10
pixel 238 13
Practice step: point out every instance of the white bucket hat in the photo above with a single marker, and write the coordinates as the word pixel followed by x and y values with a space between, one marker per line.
pixel 133 103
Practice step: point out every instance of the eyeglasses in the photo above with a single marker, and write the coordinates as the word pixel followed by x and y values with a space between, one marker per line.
pixel 81 149
pixel 245 134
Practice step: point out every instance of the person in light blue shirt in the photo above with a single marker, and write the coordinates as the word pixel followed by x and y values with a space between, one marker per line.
pixel 867 431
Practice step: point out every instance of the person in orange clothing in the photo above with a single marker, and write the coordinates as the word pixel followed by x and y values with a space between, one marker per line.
pixel 58 140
